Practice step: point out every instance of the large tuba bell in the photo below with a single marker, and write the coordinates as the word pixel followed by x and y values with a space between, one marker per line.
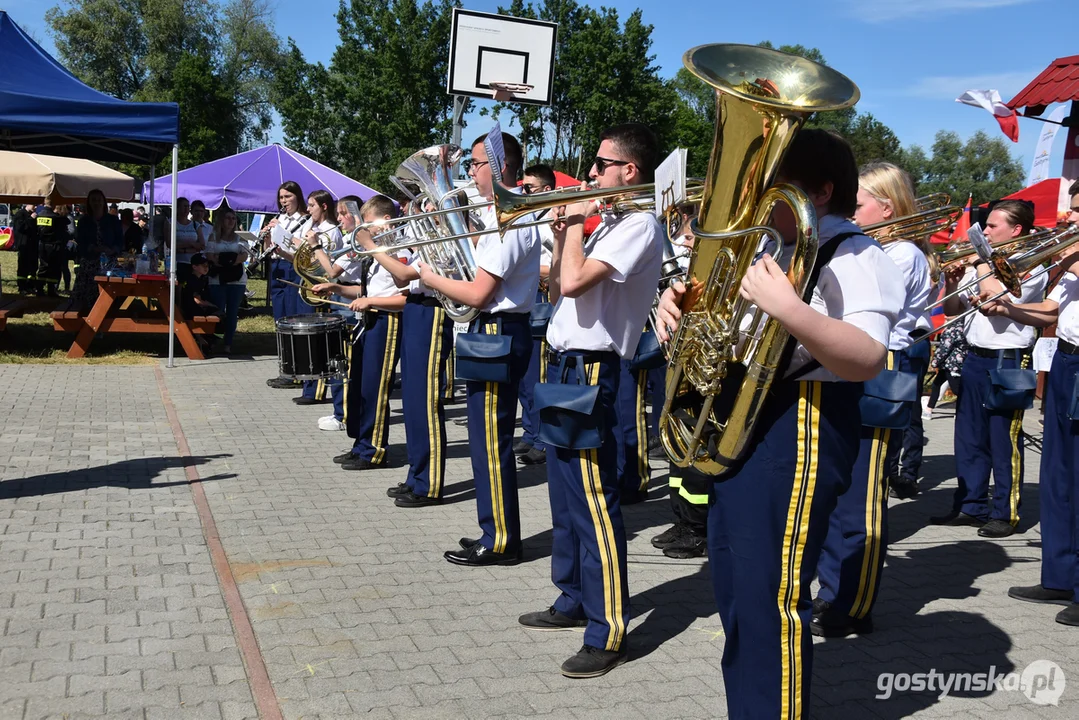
pixel 427 176
pixel 762 99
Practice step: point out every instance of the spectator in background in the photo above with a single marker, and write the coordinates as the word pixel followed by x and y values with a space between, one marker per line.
pixel 114 210
pixel 195 296
pixel 227 254
pixel 52 239
pixel 98 234
pixel 65 251
pixel 189 240
pixel 24 228
pixel 132 232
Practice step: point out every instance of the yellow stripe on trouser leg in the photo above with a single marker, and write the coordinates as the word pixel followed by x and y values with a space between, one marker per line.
pixel 1017 468
pixel 608 549
pixel 642 431
pixel 494 464
pixel 435 463
pixel 384 388
pixel 874 522
pixel 345 383
pixel 794 539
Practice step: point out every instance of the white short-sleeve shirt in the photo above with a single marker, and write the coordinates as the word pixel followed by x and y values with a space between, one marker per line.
pixel 860 285
pixel 515 259
pixel 1066 295
pixel 612 315
pixel 999 332
pixel 332 232
pixel 915 268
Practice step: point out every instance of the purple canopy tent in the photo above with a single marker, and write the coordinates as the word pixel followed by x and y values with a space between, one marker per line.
pixel 249 181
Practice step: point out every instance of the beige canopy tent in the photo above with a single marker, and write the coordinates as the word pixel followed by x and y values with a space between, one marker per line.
pixel 32 178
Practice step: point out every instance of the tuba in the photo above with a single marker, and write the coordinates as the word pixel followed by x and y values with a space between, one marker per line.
pixel 426 176
pixel 762 99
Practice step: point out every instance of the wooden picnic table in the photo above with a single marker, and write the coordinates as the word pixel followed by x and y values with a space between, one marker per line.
pixel 105 315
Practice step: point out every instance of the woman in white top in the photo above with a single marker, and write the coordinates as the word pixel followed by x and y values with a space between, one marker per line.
pixel 187 239
pixel 321 227
pixel 990 441
pixel 227 254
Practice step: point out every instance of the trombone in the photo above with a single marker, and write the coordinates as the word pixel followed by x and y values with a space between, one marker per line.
pixel 1010 271
pixel 932 213
pixel 510 208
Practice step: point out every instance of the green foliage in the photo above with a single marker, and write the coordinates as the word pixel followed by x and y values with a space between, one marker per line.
pixel 982 166
pixel 604 74
pixel 215 59
pixel 383 96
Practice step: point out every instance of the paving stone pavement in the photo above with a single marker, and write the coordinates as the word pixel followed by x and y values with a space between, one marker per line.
pixel 110 605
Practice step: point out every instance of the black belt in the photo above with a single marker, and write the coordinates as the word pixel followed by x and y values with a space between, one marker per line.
pixel 589 356
pixel 425 300
pixel 1009 354
pixel 1066 347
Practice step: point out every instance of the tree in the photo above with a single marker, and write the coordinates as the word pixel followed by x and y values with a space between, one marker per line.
pixel 982 166
pixel 382 98
pixel 604 74
pixel 216 60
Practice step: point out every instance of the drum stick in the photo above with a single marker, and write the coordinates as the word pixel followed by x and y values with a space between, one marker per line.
pixel 319 299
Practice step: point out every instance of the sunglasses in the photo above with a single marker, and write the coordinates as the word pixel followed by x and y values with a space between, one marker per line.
pixel 529 189
pixel 470 165
pixel 603 163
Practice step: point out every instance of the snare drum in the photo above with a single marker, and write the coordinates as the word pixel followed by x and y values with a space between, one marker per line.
pixel 311 347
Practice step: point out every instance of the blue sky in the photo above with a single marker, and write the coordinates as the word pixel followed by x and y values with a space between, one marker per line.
pixel 911 58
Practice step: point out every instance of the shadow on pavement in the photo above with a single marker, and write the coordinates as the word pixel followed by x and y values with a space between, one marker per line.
pixel 135 474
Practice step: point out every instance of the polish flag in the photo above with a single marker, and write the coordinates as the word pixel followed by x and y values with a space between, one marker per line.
pixel 990 100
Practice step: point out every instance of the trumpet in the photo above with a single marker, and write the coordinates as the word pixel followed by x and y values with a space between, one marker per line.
pixel 1010 269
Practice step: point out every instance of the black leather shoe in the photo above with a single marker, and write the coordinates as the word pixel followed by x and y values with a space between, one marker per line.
pixel 466 543
pixel 534 456
pixel 902 489
pixel 996 529
pixel 478 555
pixel 851 626
pixel 956 518
pixel 358 463
pixel 398 490
pixel 343 457
pixel 655 449
pixel 411 499
pixel 280 383
pixel 1040 594
pixel 550 619
pixel 820 606
pixel 1069 615
pixel 590 662
pixel 669 536
pixel 304 400
pixel 688 546
pixel 520 447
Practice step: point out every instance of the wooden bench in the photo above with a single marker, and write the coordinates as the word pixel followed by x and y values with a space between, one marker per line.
pixel 12 306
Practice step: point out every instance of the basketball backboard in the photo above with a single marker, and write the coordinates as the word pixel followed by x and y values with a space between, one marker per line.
pixel 486 48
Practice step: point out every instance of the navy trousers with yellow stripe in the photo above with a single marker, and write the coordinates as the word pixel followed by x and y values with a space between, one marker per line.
pixel 492 416
pixel 766 526
pixel 1059 481
pixel 632 434
pixel 536 373
pixel 853 554
pixel 426 342
pixel 987 442
pixel 588 546
pixel 371 369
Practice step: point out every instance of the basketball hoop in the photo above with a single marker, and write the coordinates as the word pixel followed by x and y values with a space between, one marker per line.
pixel 504 91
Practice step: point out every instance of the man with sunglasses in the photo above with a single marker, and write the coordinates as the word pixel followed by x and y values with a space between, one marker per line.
pixel 504 290
pixel 603 294
pixel 529 450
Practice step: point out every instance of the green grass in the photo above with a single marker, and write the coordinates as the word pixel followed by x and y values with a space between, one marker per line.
pixel 32 339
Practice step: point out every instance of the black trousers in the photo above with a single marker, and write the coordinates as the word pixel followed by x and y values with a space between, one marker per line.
pixel 51 259
pixel 27 267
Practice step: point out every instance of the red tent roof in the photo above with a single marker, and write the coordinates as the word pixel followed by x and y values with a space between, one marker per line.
pixel 1057 83
pixel 1046 198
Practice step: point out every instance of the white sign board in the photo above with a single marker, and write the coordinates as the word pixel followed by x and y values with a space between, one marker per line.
pixel 486 48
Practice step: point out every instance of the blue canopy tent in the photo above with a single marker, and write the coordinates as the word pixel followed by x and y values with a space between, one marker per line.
pixel 46 109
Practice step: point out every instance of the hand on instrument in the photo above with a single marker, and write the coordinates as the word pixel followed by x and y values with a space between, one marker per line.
pixel 311 238
pixel 324 288
pixel 1068 259
pixel 953 274
pixel 766 286
pixel 360 304
pixel 579 211
pixel 992 308
pixel 669 312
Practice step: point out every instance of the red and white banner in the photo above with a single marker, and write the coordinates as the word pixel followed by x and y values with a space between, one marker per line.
pixel 990 100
